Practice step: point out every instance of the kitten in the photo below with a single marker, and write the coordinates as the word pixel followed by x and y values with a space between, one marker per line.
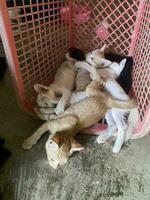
pixel 60 146
pixel 74 119
pixel 114 117
pixel 58 93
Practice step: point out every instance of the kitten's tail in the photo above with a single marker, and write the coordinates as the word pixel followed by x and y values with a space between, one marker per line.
pixel 129 104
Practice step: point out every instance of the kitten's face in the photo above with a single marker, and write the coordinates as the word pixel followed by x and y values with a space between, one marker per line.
pixel 59 147
pixel 45 100
pixel 97 58
pixel 45 97
pixel 94 57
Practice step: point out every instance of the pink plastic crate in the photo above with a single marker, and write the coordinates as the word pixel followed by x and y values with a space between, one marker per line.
pixel 37 33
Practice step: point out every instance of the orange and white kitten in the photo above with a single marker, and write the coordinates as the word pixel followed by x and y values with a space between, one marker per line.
pixel 60 146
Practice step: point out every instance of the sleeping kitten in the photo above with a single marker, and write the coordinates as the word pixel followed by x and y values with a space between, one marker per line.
pixel 58 93
pixel 60 146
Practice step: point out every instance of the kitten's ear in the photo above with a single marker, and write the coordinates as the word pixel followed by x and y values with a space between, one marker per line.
pixel 75 146
pixel 52 145
pixel 103 48
pixel 105 62
pixel 40 88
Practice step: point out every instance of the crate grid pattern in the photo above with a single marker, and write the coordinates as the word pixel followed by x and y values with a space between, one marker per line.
pixel 41 39
pixel 120 17
pixel 141 70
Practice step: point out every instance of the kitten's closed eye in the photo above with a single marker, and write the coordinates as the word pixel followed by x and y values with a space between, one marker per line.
pixel 51 145
pixel 63 162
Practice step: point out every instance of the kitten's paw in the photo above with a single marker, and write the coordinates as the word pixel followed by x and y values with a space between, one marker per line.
pixel 40 115
pixel 27 144
pixel 47 110
pixel 102 137
pixel 116 149
pixel 58 110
